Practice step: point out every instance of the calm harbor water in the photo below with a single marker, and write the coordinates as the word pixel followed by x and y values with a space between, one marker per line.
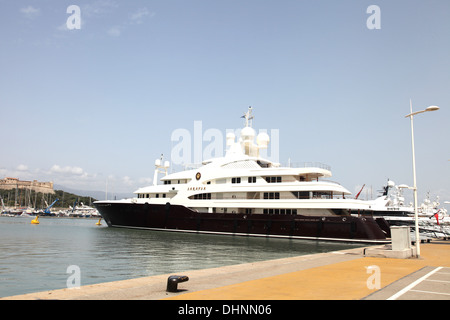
pixel 36 257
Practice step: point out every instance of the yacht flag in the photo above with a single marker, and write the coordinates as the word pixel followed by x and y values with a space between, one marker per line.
pixel 436 215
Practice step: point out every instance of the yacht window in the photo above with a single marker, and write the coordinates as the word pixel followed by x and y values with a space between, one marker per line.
pixel 236 180
pixel 271 195
pixel 251 179
pixel 201 196
pixel 157 195
pixel 273 179
pixel 301 194
pixel 322 195
pixel 280 211
pixel 263 164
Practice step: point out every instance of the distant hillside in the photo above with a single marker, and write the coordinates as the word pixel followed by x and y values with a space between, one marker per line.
pixel 67 199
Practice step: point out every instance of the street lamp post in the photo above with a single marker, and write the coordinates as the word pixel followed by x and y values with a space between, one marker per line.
pixel 416 214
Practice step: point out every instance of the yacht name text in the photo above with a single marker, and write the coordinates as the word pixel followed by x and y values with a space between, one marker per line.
pixel 196 188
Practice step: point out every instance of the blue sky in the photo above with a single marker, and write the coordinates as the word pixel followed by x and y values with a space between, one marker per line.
pixel 82 106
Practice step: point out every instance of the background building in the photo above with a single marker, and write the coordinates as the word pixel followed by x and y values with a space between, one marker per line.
pixel 36 186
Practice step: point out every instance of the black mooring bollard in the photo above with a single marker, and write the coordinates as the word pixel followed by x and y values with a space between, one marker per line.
pixel 173 281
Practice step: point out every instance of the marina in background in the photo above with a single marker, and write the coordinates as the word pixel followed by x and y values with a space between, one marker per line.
pixel 29 202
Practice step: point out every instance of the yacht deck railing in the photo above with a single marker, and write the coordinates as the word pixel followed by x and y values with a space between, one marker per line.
pixel 306 165
pixel 284 164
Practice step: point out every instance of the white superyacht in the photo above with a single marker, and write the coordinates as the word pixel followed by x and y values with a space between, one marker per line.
pixel 245 194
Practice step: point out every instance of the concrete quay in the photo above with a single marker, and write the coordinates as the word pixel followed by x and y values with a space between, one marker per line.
pixel 339 275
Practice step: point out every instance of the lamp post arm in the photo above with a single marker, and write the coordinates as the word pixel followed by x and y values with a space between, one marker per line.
pixel 414 113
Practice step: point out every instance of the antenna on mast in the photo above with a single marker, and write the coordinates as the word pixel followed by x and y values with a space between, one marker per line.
pixel 248 117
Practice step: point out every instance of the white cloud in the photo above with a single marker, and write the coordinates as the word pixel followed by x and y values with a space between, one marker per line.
pixel 77 171
pixel 99 8
pixel 135 18
pixel 22 167
pixel 115 31
pixel 62 27
pixel 76 177
pixel 138 16
pixel 22 172
pixel 145 181
pixel 30 12
pixel 127 181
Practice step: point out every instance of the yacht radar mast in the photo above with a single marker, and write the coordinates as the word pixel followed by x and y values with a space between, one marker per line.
pixel 248 117
pixel 248 134
pixel 160 167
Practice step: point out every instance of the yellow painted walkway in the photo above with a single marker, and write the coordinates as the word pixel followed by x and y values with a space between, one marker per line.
pixel 343 280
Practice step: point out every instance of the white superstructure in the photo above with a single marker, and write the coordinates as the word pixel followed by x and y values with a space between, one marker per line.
pixel 243 182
